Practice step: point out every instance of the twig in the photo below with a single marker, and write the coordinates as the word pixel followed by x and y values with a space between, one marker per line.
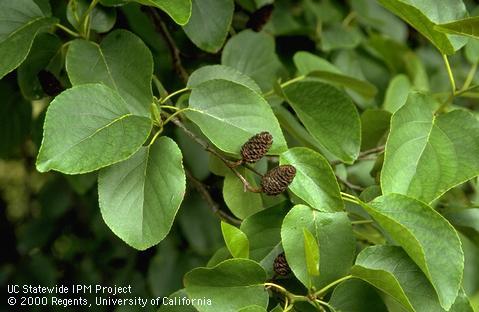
pixel 201 188
pixel 207 147
pixel 374 150
pixel 363 155
pixel 160 27
pixel 253 170
pixel 350 185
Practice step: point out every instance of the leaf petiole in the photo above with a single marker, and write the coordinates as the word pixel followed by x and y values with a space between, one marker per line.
pixel 169 96
pixel 323 290
pixel 67 30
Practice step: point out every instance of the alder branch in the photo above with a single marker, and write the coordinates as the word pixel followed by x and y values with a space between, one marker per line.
pixel 161 28
pixel 363 155
pixel 211 150
pixel 349 184
pixel 203 191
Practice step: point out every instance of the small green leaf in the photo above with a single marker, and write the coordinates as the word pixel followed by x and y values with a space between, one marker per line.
pixel 229 114
pixel 102 18
pixel 334 235
pixel 397 93
pixel 372 14
pixel 361 87
pixel 254 55
pixel 374 127
pixel 263 230
pixel 45 47
pixel 315 182
pixel 231 285
pixel 139 197
pixel 20 21
pixel 89 127
pixel 351 295
pixel 317 67
pixel 242 204
pixel 122 61
pixel 425 14
pixel 236 241
pixel 339 37
pixel 416 227
pixel 209 23
pixel 178 10
pixel 203 237
pixel 467 221
pixel 311 253
pixel 465 27
pixel 223 72
pixel 15 119
pixel 329 115
pixel 425 154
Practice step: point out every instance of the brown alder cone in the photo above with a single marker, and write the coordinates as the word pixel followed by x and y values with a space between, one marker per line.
pixel 256 147
pixel 281 266
pixel 277 180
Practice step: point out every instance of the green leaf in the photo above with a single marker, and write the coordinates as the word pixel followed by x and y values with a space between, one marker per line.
pixel 242 204
pixel 389 269
pixel 416 227
pixel 212 72
pixel 425 14
pixel 311 253
pixel 45 47
pixel 471 50
pixel 263 230
pixel 178 10
pixel 339 37
pixel 426 155
pixel 231 285
pixel 236 241
pixel 89 127
pixel 371 14
pixel 467 221
pixel 122 62
pixel 15 119
pixel 334 235
pixel 102 18
pixel 20 21
pixel 307 62
pixel 329 115
pixel 203 237
pixel 465 27
pixel 374 127
pixel 315 182
pixel 317 67
pixel 209 23
pixel 397 93
pixel 361 87
pixel 254 55
pixel 222 107
pixel 140 197
pixel 356 296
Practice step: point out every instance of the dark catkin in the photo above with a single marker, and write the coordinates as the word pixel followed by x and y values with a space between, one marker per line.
pixel 281 266
pixel 256 147
pixel 260 17
pixel 277 180
pixel 50 84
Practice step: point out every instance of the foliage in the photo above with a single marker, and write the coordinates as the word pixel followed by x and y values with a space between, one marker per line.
pixel 122 127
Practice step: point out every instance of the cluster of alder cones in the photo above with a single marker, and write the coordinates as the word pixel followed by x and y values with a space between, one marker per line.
pixel 275 181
